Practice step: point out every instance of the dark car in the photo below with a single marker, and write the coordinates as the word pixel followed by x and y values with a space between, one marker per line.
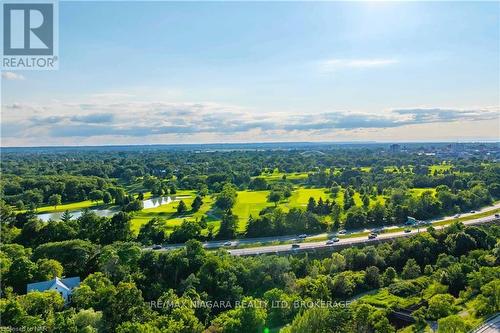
pixel 295 246
pixel 407 230
pixel 372 236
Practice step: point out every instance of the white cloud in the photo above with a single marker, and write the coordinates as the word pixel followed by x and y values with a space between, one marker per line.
pixel 12 76
pixel 335 64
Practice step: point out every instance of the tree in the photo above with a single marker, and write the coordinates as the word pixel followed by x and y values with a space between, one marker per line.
pixel 249 318
pixel 116 228
pixel 96 195
pixel 372 277
pixel 153 232
pixel 21 272
pixel 55 200
pixel 66 216
pixel 227 197
pixel 42 304
pixel 411 269
pixel 227 229
pixel 106 197
pixel 453 324
pixel 197 203
pixel 48 269
pixel 181 208
pixel 186 231
pixel 275 196
pixel 321 319
pixel 311 205
pixel 440 305
pixel 127 304
pixel 355 218
pixel 389 276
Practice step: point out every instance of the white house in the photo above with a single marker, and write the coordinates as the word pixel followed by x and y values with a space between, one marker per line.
pixel 62 286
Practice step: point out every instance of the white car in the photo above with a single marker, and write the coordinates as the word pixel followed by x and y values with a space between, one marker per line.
pixel 342 232
pixel 228 243
pixel 456 216
pixel 302 236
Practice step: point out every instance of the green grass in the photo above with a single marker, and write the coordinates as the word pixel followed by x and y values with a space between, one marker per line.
pixel 385 299
pixel 439 168
pixel 249 203
pixel 417 191
pixel 72 206
pixel 276 175
pixel 169 211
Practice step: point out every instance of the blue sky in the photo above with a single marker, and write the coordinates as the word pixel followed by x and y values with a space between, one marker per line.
pixel 166 72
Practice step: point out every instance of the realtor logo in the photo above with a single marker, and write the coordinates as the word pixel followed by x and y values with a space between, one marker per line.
pixel 29 35
pixel 28 29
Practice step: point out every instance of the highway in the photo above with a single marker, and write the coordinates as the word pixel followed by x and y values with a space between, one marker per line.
pixel 275 249
pixel 492 325
pixel 308 243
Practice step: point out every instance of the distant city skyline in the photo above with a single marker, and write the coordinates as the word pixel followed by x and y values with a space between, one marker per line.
pixel 214 72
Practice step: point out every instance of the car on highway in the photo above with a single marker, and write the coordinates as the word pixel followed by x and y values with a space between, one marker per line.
pixel 228 243
pixel 472 211
pixel 407 230
pixel 342 232
pixel 295 246
pixel 156 247
pixel 497 215
pixel 332 241
pixel 302 236
pixel 372 236
pixel 456 216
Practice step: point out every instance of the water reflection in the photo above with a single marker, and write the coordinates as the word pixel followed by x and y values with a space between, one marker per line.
pixel 149 203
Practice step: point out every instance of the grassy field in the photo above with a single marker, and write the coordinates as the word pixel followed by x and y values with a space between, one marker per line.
pixel 72 206
pixel 276 175
pixel 169 211
pixel 249 203
pixel 439 168
pixel 416 192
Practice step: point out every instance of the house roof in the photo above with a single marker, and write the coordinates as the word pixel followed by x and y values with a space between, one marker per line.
pixel 67 283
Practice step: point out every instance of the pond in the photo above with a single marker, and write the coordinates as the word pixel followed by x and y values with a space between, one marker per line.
pixel 149 203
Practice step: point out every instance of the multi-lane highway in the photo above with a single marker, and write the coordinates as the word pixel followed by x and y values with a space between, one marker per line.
pixel 308 242
pixel 343 242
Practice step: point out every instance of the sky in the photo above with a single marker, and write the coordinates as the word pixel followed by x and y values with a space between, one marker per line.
pixel 206 72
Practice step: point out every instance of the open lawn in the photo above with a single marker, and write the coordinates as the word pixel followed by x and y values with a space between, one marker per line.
pixel 276 175
pixel 417 191
pixel 72 206
pixel 249 203
pixel 439 168
pixel 169 211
